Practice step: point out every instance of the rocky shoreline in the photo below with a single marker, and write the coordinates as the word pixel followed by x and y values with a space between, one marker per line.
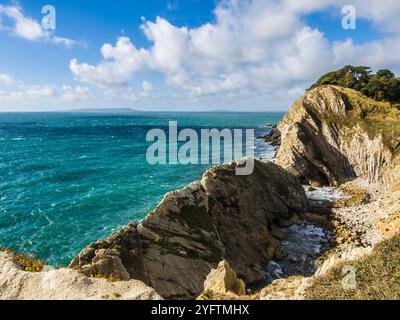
pixel 318 149
pixel 227 233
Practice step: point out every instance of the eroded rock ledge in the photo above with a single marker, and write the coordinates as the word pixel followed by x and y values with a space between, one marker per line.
pixel 64 284
pixel 222 217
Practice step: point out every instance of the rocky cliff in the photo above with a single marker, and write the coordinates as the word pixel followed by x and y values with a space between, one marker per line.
pixel 221 217
pixel 332 135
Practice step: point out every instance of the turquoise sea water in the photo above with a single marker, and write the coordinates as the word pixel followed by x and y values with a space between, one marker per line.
pixel 68 179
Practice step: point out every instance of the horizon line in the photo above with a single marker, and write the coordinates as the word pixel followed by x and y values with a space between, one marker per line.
pixel 99 110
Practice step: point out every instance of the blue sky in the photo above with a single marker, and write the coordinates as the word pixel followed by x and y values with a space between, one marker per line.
pixel 256 55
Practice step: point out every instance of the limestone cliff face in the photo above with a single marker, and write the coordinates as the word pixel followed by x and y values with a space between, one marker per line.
pixel 326 137
pixel 222 217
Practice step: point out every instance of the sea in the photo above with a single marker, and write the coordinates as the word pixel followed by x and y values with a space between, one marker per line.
pixel 68 179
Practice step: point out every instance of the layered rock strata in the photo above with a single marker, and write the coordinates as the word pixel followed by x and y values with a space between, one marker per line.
pixel 222 217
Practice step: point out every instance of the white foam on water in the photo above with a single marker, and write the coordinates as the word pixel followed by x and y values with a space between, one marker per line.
pixel 325 194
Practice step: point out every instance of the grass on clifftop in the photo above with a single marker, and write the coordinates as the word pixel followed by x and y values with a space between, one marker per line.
pixel 377 277
pixel 373 101
pixel 375 117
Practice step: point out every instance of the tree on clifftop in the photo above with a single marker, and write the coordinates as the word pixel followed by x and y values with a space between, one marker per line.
pixel 380 86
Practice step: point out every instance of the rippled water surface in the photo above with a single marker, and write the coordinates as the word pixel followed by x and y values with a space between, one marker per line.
pixel 68 179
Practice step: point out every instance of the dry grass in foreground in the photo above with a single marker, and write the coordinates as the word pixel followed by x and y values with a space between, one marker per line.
pixel 377 276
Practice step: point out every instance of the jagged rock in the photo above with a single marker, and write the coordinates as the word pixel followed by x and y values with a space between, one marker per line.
pixel 223 280
pixel 292 288
pixel 222 217
pixel 318 146
pixel 107 261
pixel 274 136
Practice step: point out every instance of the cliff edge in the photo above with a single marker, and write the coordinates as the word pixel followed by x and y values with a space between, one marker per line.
pixel 63 284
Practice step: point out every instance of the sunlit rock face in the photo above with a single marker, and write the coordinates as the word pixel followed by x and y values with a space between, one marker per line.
pixel 328 136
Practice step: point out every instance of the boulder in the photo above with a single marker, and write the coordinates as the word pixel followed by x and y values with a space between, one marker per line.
pixel 223 280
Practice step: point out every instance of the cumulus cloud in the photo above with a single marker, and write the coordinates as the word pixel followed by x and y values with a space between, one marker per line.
pixel 120 63
pixel 384 14
pixel 15 23
pixel 253 49
pixel 252 45
pixel 6 79
pixel 21 26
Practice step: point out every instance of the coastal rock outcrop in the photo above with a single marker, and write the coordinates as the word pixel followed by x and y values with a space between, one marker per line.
pixel 222 217
pixel 64 284
pixel 274 136
pixel 332 135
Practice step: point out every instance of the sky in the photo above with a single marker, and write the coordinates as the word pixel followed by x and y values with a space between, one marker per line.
pixel 184 55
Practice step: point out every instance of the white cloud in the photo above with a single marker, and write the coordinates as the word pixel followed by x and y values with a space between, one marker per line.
pixel 14 22
pixel 69 43
pixel 23 27
pixel 77 93
pixel 19 96
pixel 6 79
pixel 37 92
pixel 252 45
pixel 117 68
pixel 22 95
pixel 384 14
pixel 254 52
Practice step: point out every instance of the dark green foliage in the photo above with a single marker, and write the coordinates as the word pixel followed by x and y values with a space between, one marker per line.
pixel 382 86
pixel 385 73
